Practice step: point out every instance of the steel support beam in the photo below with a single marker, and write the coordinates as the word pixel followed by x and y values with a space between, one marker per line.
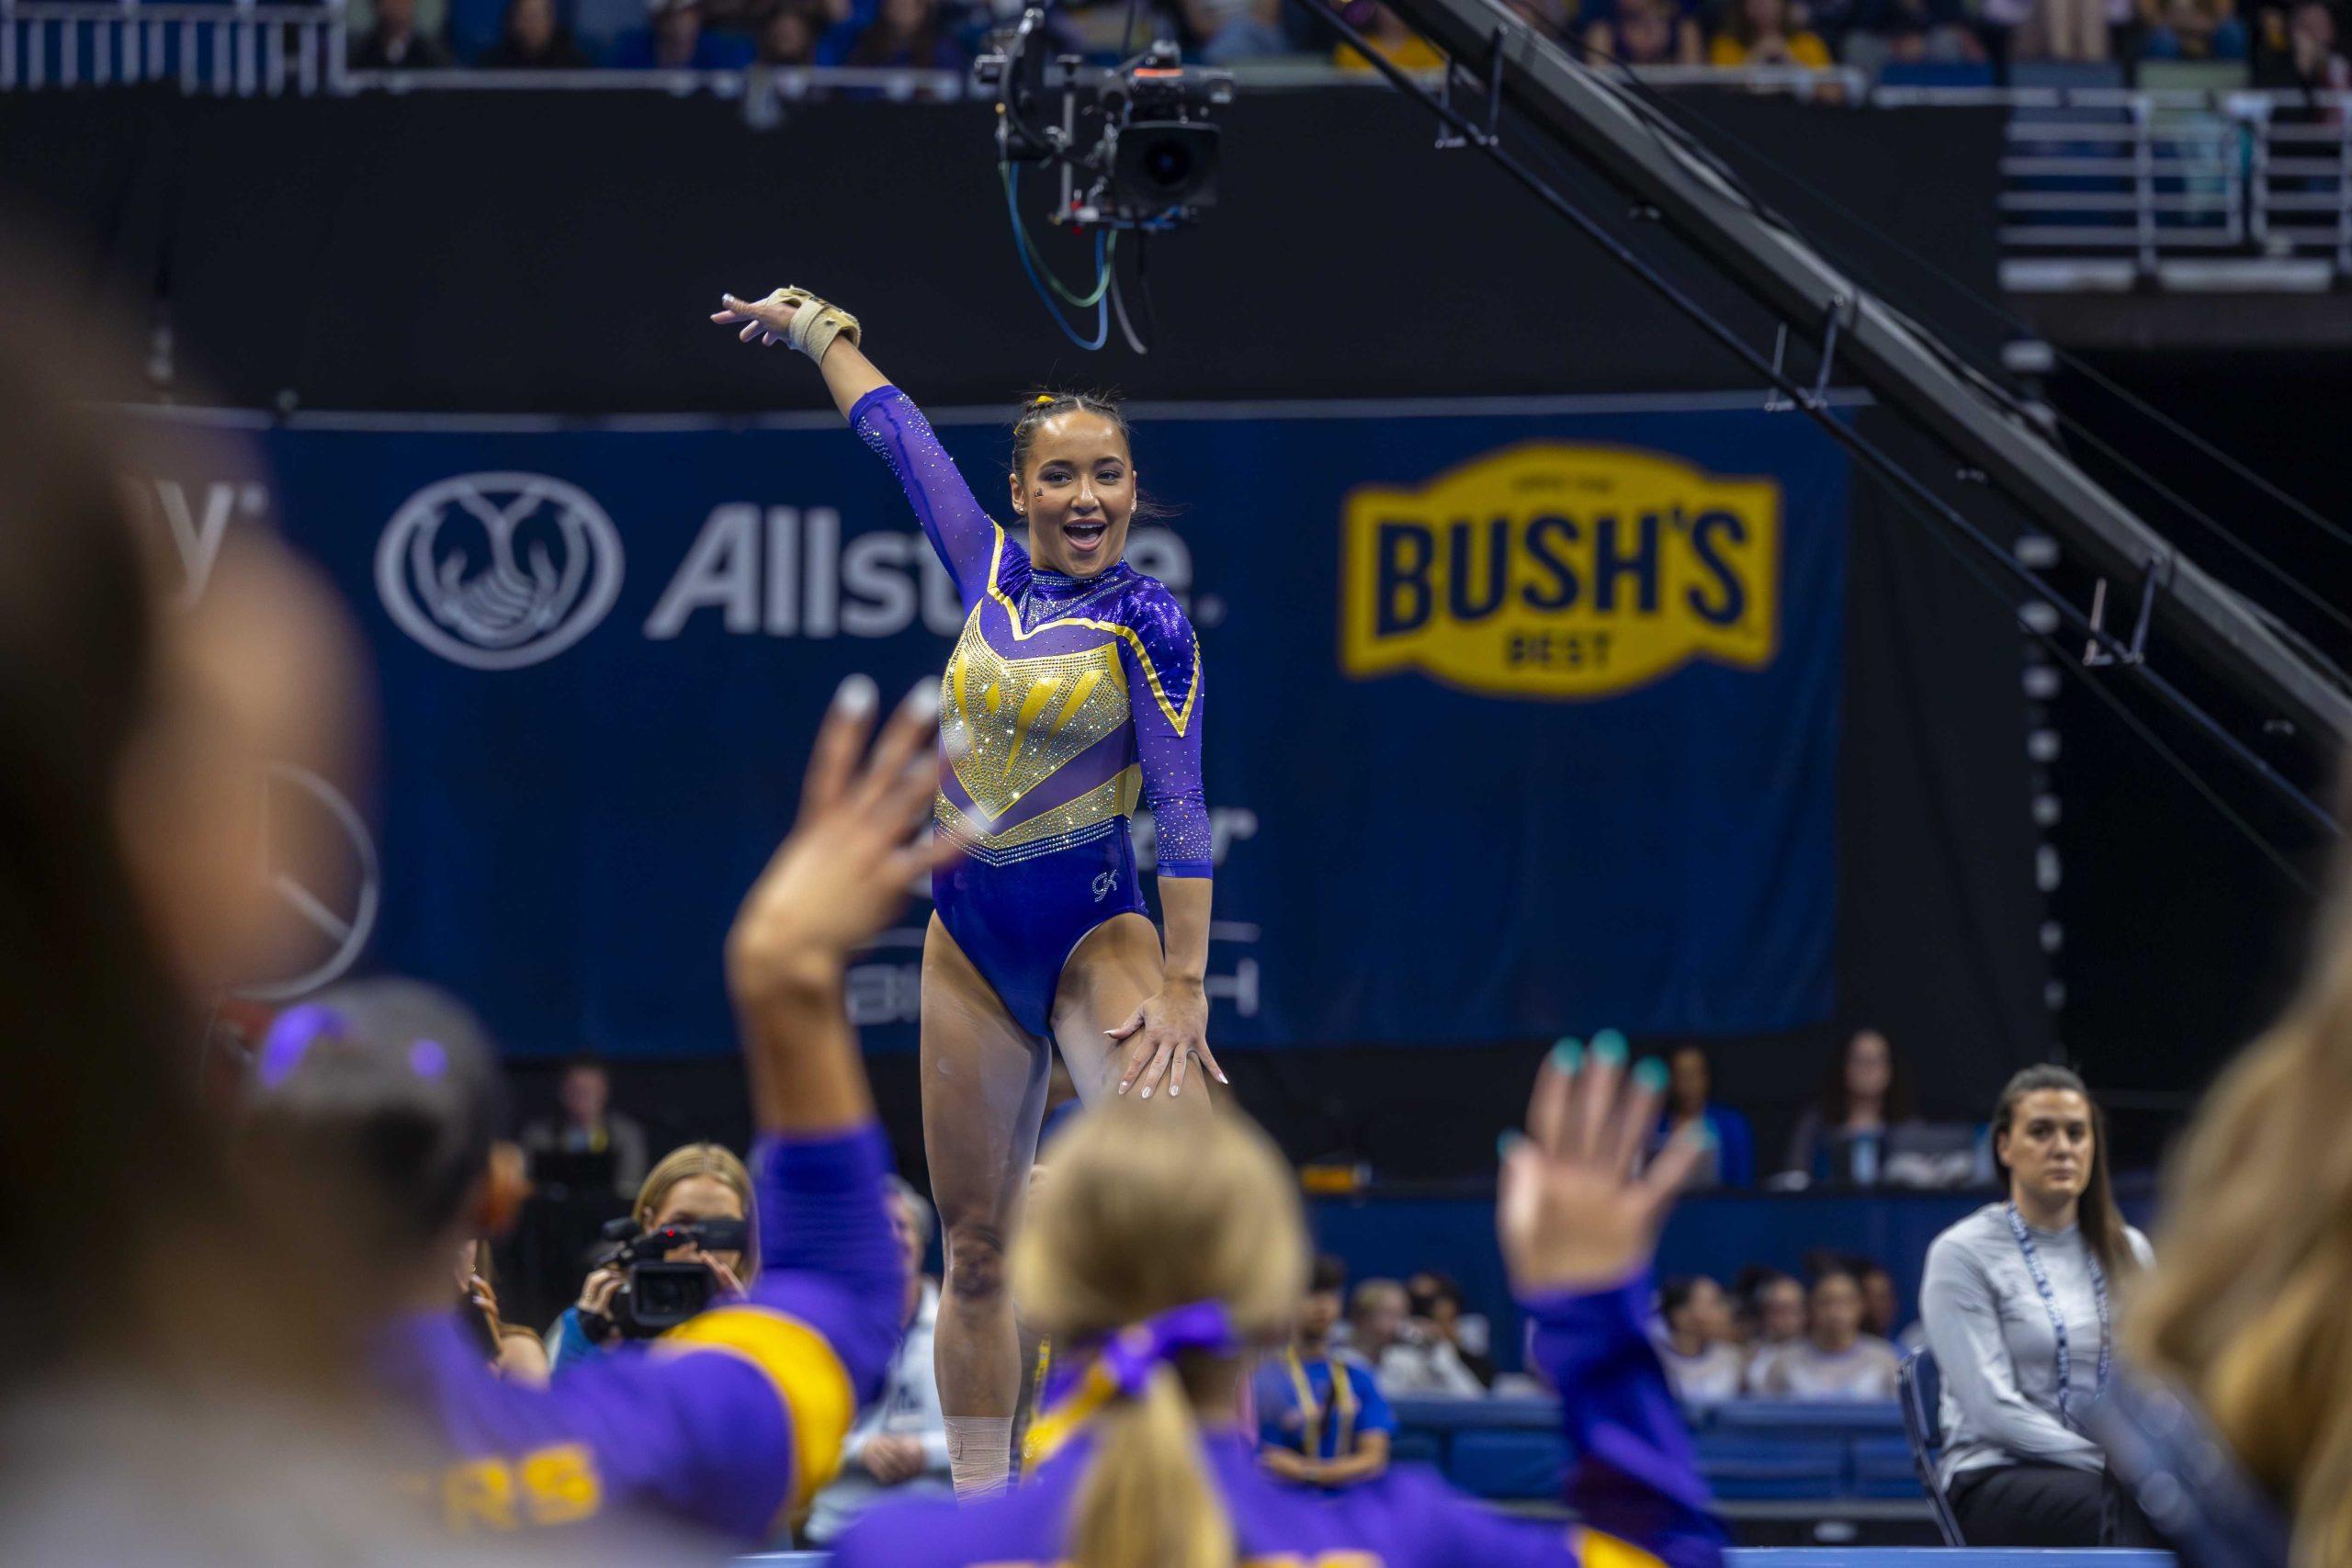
pixel 1595 122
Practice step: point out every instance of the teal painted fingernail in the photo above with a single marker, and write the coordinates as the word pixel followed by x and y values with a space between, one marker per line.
pixel 1701 1134
pixel 1609 1046
pixel 1568 1056
pixel 1650 1075
pixel 1505 1143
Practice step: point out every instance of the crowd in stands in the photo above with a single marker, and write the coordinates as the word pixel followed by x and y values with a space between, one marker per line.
pixel 2276 44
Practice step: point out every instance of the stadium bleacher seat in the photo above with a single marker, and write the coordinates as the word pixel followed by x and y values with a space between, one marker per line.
pixel 1749 1467
pixel 1936 73
pixel 1508 1466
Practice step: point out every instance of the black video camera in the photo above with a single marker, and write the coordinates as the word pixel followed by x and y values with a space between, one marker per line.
pixel 1134 142
pixel 655 1296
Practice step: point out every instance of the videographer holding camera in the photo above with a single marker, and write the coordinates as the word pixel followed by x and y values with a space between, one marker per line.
pixel 380 1101
pixel 681 1248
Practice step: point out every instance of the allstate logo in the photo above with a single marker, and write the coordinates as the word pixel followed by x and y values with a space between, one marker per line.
pixel 499 571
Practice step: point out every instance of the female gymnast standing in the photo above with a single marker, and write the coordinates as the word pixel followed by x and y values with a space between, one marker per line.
pixel 1074 690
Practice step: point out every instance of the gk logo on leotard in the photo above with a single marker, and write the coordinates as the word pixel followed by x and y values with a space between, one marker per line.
pixel 1554 571
pixel 499 571
pixel 1103 882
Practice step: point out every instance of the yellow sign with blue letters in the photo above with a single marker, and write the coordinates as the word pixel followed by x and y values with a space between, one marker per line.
pixel 1551 570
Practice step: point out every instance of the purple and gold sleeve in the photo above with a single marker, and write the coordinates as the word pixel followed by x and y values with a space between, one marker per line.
pixel 1163 670
pixel 738 1417
pixel 958 527
pixel 1636 1475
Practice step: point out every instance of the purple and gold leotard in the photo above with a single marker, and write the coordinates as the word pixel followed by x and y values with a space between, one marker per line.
pixel 1066 700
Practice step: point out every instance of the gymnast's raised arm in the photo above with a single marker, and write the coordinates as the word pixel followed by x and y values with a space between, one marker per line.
pixel 961 532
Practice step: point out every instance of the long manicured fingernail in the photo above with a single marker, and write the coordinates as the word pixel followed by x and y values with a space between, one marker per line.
pixel 1650 1074
pixel 1568 1056
pixel 856 695
pixel 1609 1048
pixel 1506 1144
pixel 1222 1078
pixel 1174 1089
pixel 1146 1091
pixel 923 697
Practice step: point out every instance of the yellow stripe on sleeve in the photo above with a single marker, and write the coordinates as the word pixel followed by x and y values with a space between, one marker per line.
pixel 808 1377
pixel 1601 1550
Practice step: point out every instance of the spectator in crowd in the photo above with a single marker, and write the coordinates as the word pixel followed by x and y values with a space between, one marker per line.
pixel 675 39
pixel 1880 1306
pixel 1404 1357
pixel 514 1354
pixel 1437 1302
pixel 2296 48
pixel 533 41
pixel 2056 29
pixel 898 1448
pixel 2019 1300
pixel 2191 29
pixel 1321 1418
pixel 1650 32
pixel 1865 1095
pixel 1730 1159
pixel 1911 32
pixel 788 34
pixel 906 34
pixel 585 1125
pixel 1550 18
pixel 1695 1343
pixel 1225 31
pixel 1393 40
pixel 697 1182
pixel 1834 1360
pixel 1766 32
pixel 397 43
pixel 1776 1309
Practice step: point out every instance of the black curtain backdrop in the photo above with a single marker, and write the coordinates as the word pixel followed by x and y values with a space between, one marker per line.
pixel 550 251
pixel 555 252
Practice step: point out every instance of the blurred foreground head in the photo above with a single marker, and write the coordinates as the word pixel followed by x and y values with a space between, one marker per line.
pixel 133 734
pixel 2250 1306
pixel 1144 1215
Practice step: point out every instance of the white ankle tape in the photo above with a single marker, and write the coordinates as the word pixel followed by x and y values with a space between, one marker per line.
pixel 979 1454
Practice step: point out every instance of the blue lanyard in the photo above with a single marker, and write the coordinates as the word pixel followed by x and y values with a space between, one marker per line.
pixel 2058 1319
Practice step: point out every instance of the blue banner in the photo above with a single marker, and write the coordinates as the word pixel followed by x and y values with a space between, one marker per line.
pixel 1519 719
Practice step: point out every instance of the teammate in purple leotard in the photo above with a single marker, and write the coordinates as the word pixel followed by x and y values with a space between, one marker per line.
pixel 1073 693
pixel 1162 1257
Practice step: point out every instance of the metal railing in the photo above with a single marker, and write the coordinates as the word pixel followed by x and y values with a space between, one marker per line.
pixel 240 48
pixel 2102 188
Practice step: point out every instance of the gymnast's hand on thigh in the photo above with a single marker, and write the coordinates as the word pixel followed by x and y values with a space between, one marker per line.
pixel 1163 1035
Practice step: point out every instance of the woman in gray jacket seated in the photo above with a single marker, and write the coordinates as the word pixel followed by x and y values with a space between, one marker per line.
pixel 2018 1303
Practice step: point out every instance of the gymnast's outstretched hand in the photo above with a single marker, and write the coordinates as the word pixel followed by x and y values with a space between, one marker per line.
pixel 829 337
pixel 1573 1214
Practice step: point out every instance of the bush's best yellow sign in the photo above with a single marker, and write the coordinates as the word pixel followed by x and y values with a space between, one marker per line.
pixel 1556 570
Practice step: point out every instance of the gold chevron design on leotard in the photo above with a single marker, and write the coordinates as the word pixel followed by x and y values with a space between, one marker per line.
pixel 1177 718
pixel 1011 724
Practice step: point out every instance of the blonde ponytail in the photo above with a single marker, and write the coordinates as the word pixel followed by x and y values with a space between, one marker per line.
pixel 1148 1501
pixel 1165 1249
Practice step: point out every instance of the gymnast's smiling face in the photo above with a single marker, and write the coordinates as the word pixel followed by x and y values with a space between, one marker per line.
pixel 1076 491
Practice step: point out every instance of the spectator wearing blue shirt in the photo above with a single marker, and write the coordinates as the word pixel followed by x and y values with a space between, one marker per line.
pixel 675 41
pixel 1321 1417
pixel 904 34
pixel 1730 1160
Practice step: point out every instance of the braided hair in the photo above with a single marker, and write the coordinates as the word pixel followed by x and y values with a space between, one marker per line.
pixel 1044 405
